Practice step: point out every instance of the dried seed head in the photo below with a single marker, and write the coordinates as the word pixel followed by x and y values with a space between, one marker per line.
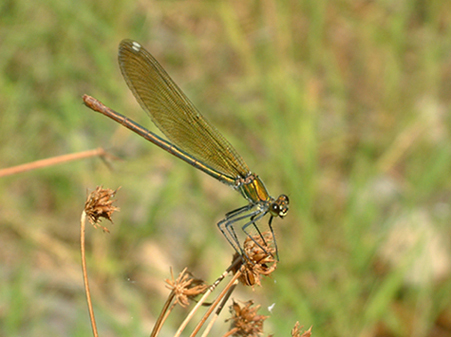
pixel 185 287
pixel 296 331
pixel 100 205
pixel 245 321
pixel 259 259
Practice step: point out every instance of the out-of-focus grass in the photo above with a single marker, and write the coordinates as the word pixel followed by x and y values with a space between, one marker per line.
pixel 342 105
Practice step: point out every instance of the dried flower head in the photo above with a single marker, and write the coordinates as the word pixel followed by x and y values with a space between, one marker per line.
pixel 296 331
pixel 185 287
pixel 245 321
pixel 258 260
pixel 100 205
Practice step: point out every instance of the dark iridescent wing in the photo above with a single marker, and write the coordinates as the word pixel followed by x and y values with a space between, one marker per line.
pixel 174 114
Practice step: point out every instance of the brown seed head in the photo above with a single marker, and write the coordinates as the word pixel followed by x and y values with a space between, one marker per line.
pixel 258 261
pixel 245 321
pixel 100 205
pixel 296 331
pixel 185 287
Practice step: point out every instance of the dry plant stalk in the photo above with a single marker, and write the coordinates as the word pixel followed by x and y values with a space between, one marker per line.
pixel 53 161
pixel 97 206
pixel 259 261
pixel 220 300
pixel 183 289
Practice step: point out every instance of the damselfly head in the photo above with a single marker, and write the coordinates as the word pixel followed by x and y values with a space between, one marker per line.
pixel 280 206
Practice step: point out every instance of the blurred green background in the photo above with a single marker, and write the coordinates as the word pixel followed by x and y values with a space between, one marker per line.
pixel 342 105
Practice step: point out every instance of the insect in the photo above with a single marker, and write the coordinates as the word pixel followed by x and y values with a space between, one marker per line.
pixel 191 138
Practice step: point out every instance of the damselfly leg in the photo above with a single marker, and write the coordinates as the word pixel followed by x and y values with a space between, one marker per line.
pixel 227 228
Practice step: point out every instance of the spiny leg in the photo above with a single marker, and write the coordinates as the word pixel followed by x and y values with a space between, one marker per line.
pixel 227 229
pixel 231 230
pixel 273 237
pixel 254 219
pixel 257 229
pixel 230 218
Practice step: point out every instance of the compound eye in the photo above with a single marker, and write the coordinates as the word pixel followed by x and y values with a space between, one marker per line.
pixel 275 209
pixel 279 207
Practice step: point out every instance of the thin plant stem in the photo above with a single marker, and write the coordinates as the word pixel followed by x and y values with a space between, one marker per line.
pixel 163 315
pixel 216 302
pixel 193 311
pixel 204 297
pixel 85 275
pixel 218 311
pixel 100 152
pixel 235 262
pixel 230 332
